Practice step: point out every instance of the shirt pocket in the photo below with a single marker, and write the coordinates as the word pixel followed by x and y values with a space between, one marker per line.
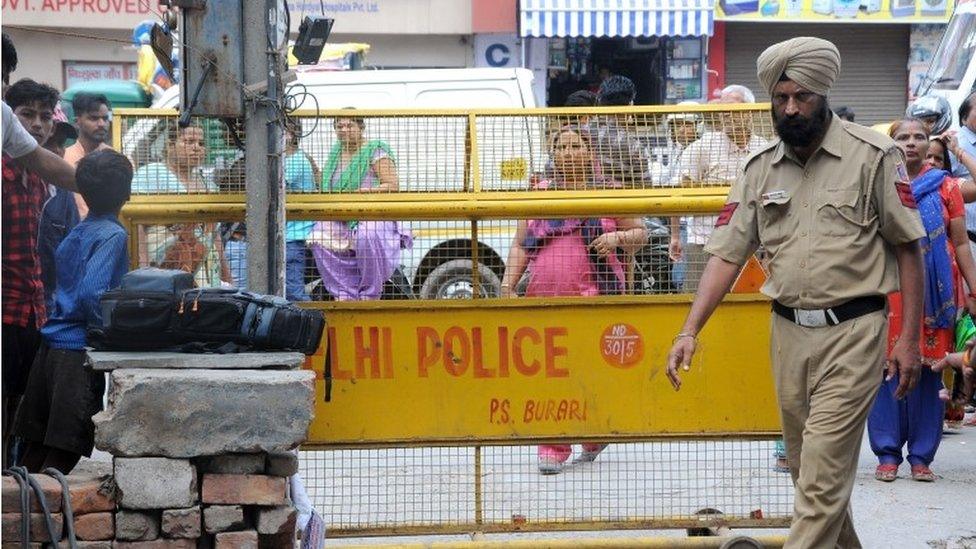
pixel 774 223
pixel 839 214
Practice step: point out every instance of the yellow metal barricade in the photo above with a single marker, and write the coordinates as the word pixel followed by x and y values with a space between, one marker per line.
pixel 428 410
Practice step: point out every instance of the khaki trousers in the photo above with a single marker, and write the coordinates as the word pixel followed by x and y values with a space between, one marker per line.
pixel 826 382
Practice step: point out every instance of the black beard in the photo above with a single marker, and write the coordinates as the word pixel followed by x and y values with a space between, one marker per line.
pixel 799 131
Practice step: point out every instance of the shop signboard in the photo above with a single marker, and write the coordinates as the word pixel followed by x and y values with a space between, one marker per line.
pixel 76 72
pixel 835 11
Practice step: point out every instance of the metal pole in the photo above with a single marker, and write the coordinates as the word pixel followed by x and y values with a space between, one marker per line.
pixel 264 180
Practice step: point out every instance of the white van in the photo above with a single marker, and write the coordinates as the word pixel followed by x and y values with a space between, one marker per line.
pixel 430 154
pixel 952 70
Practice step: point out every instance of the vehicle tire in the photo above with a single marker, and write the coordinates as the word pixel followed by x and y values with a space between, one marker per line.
pixel 453 280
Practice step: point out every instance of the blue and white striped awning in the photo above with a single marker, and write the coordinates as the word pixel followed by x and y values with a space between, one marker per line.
pixel 616 17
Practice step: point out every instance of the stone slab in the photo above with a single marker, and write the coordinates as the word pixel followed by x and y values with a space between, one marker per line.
pixel 113 360
pixel 192 413
pixel 157 544
pixel 155 483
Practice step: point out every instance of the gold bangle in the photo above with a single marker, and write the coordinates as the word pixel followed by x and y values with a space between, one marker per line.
pixel 684 334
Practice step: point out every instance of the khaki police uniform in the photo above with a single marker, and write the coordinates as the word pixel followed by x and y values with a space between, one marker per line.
pixel 829 228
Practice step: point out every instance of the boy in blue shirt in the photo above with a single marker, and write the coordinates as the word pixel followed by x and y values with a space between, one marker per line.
pixel 54 418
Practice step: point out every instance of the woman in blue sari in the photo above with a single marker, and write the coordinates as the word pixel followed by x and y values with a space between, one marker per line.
pixel 917 419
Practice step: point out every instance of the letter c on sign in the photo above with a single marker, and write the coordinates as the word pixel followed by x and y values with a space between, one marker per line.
pixel 498 55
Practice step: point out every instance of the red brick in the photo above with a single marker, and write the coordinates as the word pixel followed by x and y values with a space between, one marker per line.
pixel 10 495
pixel 248 539
pixel 95 526
pixel 94 545
pixel 244 489
pixel 91 496
pixel 19 545
pixel 157 544
pixel 38 530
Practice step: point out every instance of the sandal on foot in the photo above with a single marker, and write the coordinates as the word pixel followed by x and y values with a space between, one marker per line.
pixel 886 472
pixel 589 456
pixel 550 467
pixel 922 473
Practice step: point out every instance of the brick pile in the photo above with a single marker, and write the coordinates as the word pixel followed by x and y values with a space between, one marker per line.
pixel 232 501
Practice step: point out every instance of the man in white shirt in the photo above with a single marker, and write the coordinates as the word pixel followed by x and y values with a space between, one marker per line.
pixel 715 159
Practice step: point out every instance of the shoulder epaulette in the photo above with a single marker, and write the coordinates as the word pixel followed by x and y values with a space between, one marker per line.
pixel 768 147
pixel 869 136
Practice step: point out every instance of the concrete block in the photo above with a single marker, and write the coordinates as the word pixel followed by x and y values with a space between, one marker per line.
pixel 221 518
pixel 95 526
pixel 244 489
pixel 276 520
pixel 182 523
pixel 136 525
pixel 10 495
pixel 10 523
pixel 247 539
pixel 112 360
pixel 194 413
pixel 155 483
pixel 282 464
pixel 233 464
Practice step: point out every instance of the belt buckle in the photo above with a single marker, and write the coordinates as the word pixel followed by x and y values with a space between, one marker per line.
pixel 810 318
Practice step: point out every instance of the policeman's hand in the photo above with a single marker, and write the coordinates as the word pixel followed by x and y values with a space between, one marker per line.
pixel 906 362
pixel 606 244
pixel 674 249
pixel 680 356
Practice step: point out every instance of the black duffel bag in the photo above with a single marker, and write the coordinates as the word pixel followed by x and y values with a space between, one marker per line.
pixel 157 310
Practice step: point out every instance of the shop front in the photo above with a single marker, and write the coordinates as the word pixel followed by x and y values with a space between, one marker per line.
pixel 879 42
pixel 661 45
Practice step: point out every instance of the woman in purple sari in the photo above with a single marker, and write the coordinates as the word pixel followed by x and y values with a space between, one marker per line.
pixel 355 258
pixel 572 257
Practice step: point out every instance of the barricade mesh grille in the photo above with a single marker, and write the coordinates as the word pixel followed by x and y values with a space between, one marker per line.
pixel 650 482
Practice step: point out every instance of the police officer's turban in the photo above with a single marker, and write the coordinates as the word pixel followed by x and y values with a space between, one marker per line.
pixel 813 63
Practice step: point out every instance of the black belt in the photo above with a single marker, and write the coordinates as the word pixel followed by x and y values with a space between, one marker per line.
pixel 817 318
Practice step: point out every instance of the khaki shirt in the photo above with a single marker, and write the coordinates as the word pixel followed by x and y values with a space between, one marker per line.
pixel 828 227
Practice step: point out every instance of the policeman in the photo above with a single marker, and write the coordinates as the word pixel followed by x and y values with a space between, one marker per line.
pixel 831 204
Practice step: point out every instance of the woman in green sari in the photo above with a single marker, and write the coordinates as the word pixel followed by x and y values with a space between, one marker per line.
pixel 355 258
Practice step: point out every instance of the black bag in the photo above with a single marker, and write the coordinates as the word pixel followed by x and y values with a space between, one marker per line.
pixel 157 309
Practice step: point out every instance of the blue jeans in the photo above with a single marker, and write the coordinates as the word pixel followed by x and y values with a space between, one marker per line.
pixel 295 261
pixel 295 254
pixel 236 254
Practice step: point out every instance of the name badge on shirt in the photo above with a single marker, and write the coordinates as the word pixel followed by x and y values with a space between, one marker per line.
pixel 775 197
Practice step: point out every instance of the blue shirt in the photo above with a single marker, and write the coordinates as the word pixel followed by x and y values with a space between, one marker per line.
pixel 299 177
pixel 90 260
pixel 967 141
pixel 59 216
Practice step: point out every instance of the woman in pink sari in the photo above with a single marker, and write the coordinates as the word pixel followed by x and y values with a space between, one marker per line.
pixel 572 257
